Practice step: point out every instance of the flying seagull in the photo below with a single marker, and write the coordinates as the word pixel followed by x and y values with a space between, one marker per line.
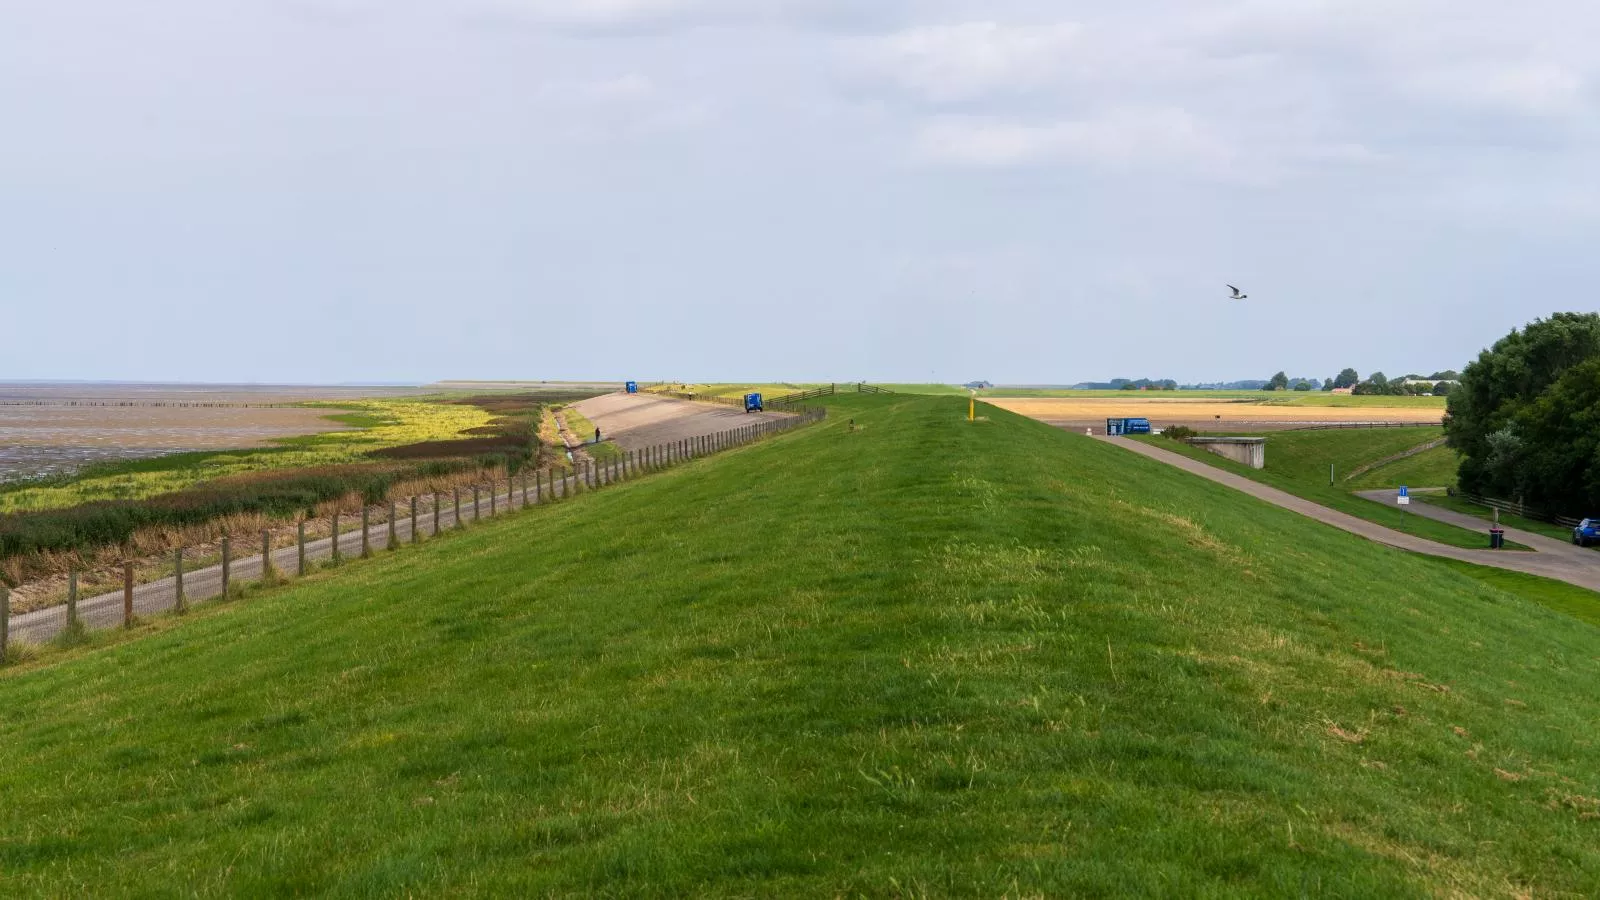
pixel 1236 294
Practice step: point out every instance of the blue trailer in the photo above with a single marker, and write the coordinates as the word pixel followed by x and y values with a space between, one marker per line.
pixel 1117 427
pixel 633 387
pixel 752 403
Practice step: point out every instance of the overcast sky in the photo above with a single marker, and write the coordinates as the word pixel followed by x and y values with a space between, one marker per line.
pixel 909 190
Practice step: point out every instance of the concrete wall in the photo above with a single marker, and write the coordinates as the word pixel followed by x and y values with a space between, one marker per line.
pixel 1248 451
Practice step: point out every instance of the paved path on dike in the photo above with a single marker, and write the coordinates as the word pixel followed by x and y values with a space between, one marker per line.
pixel 1550 558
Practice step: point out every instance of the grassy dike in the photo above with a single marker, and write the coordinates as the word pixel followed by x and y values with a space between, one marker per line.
pixel 918 658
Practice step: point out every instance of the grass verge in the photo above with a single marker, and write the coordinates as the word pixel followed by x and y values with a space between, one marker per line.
pixel 968 671
pixel 1297 462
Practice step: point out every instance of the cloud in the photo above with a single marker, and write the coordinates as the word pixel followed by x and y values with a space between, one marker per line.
pixel 967 60
pixel 606 17
pixel 1118 139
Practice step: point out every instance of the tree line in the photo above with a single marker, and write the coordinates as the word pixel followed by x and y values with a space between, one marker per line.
pixel 1438 384
pixel 1526 417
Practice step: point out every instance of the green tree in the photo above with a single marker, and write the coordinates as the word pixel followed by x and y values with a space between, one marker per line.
pixel 1279 382
pixel 1302 385
pixel 1349 378
pixel 1508 432
pixel 1442 389
pixel 1327 384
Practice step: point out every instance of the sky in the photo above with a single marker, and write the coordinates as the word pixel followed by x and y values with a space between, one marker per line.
pixel 1020 191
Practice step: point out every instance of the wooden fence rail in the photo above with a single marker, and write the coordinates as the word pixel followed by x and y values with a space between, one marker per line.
pixel 190 583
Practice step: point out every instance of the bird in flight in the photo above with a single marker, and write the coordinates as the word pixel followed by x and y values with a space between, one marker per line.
pixel 1237 295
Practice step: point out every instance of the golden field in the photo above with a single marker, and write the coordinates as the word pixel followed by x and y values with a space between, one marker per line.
pixel 1213 414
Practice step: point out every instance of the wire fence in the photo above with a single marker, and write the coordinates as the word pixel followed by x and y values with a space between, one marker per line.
pixel 380 529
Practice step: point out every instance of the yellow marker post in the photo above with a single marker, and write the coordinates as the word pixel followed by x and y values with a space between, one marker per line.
pixel 972 408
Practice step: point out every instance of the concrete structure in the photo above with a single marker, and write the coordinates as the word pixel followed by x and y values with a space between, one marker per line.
pixel 1249 451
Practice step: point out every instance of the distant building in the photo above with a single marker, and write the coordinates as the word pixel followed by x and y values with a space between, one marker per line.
pixel 1344 390
pixel 978 385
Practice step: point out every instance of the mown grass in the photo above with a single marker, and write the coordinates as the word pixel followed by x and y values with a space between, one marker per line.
pixel 1434 468
pixel 921 657
pixel 1572 600
pixel 1297 462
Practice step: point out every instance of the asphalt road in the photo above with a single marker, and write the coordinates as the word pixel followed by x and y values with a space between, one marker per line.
pixel 632 421
pixel 1550 558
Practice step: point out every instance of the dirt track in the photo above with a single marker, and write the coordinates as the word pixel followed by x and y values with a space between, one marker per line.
pixel 633 421
pixel 1212 415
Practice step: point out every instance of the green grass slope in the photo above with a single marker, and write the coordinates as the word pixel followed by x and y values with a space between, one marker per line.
pixel 1297 462
pixel 919 658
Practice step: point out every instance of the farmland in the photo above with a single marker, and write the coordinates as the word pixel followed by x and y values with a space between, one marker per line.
pixel 1218 414
pixel 970 672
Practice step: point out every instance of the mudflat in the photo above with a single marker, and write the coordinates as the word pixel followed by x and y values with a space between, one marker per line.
pixel 47 429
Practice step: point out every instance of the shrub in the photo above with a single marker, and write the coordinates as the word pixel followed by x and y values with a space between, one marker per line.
pixel 1180 433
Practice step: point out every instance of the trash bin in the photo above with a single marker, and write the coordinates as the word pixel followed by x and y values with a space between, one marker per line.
pixel 1497 539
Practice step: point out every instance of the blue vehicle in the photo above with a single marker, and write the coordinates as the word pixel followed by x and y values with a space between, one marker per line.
pixel 1115 427
pixel 752 403
pixel 1587 532
pixel 633 387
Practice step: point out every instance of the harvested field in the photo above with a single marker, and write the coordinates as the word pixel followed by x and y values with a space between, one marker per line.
pixel 1210 415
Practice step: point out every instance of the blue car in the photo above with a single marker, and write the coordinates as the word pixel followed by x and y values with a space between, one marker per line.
pixel 1587 531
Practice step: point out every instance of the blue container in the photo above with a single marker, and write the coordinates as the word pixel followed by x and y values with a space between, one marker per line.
pixel 752 403
pixel 633 387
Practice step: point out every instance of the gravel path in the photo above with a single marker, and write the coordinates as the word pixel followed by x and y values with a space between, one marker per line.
pixel 1551 558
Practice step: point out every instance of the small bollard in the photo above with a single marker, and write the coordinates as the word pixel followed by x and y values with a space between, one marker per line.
pixel 227 566
pixel 300 548
pixel 127 595
pixel 179 603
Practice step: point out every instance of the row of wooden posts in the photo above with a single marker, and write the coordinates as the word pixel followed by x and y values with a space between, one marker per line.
pixel 591 476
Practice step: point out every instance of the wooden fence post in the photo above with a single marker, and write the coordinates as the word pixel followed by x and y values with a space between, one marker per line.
pixel 366 531
pixel 177 581
pixel 127 595
pixel 524 474
pixel 416 536
pixel 5 623
pixel 438 501
pixel 394 536
pixel 72 600
pixel 268 570
pixel 300 547
pixel 227 565
pixel 494 499
pixel 336 535
pixel 460 523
